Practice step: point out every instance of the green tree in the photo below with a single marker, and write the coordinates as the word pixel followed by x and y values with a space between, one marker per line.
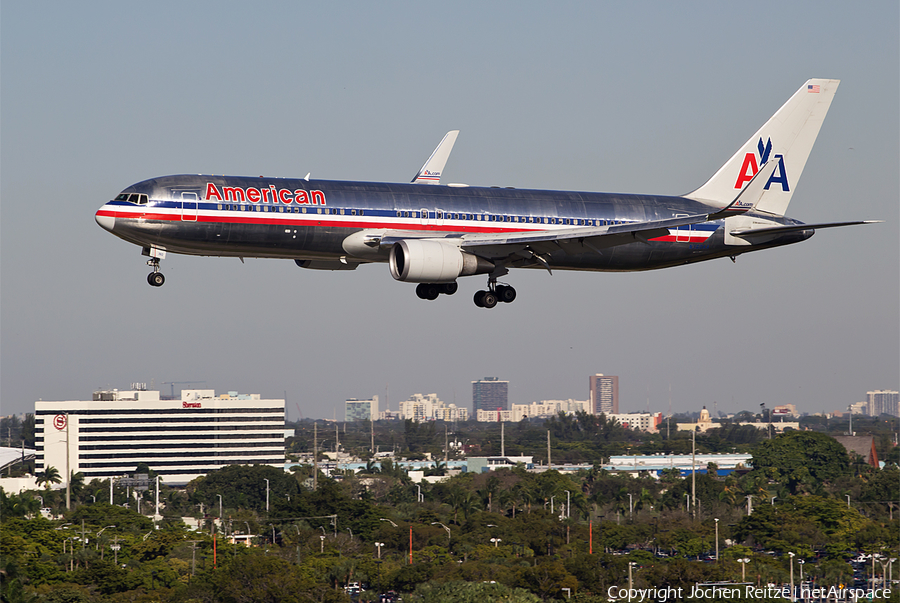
pixel 468 592
pixel 800 460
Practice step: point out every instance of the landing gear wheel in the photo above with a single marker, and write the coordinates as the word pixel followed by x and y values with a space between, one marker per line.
pixel 427 291
pixel 506 294
pixel 479 296
pixel 449 288
pixel 489 299
pixel 156 279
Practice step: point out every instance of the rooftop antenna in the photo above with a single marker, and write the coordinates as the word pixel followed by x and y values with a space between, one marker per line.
pixel 174 383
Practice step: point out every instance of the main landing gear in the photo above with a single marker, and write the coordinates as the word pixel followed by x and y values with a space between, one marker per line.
pixel 155 278
pixel 495 293
pixel 430 291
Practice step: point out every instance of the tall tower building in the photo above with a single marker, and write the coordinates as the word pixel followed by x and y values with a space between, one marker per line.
pixel 604 394
pixel 361 410
pixel 489 394
pixel 883 402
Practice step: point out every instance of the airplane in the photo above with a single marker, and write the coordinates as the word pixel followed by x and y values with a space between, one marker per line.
pixel 433 235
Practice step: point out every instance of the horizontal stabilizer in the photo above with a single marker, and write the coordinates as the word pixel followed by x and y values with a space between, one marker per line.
pixel 751 232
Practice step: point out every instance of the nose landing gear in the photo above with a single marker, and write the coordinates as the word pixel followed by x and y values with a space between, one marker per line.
pixel 155 278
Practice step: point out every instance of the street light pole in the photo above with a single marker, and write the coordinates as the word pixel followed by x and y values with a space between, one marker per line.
pixel 378 546
pixel 717 540
pixel 743 561
pixel 791 555
pixel 437 523
pixel 267 494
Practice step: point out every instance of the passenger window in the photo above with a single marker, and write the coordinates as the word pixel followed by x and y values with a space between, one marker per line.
pixel 361 212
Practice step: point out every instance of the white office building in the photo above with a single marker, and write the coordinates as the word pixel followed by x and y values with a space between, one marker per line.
pixel 180 439
pixel 536 410
pixel 361 410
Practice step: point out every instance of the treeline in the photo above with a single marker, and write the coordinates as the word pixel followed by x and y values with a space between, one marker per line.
pixel 533 534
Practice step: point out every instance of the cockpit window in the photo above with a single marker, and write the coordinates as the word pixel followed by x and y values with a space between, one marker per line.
pixel 138 198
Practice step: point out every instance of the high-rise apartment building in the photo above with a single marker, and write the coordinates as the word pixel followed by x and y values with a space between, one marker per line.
pixel 883 402
pixel 604 394
pixel 428 407
pixel 490 394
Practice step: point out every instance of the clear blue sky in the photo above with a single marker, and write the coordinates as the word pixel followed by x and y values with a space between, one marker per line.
pixel 600 96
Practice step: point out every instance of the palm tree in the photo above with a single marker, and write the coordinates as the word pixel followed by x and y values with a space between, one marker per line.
pixel 48 476
pixel 76 483
pixel 454 499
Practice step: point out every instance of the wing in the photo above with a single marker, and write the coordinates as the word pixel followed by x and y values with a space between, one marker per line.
pixel 430 173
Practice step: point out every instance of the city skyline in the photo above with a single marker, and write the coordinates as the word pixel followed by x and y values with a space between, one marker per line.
pixel 381 405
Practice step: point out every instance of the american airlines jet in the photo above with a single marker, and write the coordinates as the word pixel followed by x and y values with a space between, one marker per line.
pixel 432 235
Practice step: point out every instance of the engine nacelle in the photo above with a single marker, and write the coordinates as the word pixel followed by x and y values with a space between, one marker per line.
pixel 418 261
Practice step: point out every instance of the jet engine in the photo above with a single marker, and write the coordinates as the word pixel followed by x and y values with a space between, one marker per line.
pixel 420 261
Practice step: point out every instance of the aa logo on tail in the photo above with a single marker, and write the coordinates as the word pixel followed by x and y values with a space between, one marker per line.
pixel 751 165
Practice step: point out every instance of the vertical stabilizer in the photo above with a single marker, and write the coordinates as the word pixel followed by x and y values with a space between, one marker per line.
pixel 788 137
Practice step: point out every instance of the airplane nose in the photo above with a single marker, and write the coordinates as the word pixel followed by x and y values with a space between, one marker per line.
pixel 105 222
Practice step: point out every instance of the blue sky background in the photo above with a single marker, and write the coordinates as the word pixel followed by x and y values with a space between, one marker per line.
pixel 625 97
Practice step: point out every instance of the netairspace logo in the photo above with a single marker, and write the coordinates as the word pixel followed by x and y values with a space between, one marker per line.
pixel 704 591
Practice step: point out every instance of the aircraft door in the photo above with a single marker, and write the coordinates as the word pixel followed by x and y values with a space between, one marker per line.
pixel 683 233
pixel 189 207
pixel 426 219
